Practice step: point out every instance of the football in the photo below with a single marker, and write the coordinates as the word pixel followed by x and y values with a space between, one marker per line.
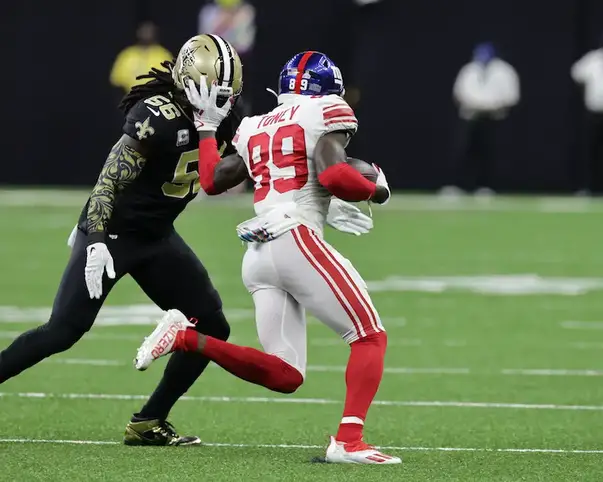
pixel 363 168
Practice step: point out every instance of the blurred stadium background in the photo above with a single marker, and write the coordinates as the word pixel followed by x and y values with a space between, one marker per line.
pixel 493 305
pixel 403 56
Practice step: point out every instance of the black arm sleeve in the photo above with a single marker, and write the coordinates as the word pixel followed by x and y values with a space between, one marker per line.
pixel 122 166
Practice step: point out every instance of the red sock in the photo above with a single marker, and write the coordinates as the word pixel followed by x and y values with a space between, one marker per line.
pixel 187 340
pixel 253 365
pixel 362 378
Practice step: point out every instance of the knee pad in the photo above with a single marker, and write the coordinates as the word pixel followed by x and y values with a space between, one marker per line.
pixel 214 324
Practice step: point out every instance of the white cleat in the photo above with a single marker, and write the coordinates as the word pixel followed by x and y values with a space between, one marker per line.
pixel 161 341
pixel 357 453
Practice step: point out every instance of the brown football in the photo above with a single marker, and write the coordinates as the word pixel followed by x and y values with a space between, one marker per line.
pixel 363 168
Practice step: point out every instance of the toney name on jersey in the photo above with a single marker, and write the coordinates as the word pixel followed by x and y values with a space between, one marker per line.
pixel 274 118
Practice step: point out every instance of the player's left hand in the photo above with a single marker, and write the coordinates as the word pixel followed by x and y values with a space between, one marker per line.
pixel 208 115
pixel 347 218
pixel 98 260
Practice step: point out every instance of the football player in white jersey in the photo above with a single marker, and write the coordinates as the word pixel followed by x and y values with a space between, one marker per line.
pixel 296 156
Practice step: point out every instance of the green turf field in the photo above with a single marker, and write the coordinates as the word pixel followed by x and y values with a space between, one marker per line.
pixel 494 370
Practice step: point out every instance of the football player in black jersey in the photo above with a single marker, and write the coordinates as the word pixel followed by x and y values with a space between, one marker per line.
pixel 126 227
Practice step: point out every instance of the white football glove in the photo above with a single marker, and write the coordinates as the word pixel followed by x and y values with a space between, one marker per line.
pixel 72 236
pixel 98 260
pixel 347 218
pixel 382 181
pixel 208 115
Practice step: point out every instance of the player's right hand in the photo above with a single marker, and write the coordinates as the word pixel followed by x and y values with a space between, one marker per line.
pixel 98 259
pixel 382 181
pixel 208 115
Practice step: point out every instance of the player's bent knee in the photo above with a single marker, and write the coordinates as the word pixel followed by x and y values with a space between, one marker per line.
pixel 290 381
pixel 214 324
pixel 61 338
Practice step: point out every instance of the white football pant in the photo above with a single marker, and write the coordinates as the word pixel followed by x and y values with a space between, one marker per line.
pixel 299 271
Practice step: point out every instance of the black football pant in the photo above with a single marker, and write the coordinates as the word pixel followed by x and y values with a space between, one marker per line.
pixel 171 275
pixel 593 181
pixel 474 153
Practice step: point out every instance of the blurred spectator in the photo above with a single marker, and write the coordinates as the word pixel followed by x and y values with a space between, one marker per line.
pixel 353 18
pixel 588 71
pixel 138 58
pixel 233 20
pixel 485 90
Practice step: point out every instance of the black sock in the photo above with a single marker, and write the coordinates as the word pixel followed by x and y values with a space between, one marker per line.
pixel 137 418
pixel 180 373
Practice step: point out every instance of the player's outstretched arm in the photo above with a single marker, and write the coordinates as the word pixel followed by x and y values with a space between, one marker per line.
pixel 230 172
pixel 123 165
pixel 209 112
pixel 341 179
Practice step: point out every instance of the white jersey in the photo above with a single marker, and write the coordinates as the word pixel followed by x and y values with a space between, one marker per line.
pixel 278 149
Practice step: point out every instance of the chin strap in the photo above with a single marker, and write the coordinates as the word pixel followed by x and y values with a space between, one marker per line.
pixel 268 89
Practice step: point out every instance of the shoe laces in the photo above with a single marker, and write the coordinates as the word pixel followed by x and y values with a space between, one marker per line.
pixel 166 429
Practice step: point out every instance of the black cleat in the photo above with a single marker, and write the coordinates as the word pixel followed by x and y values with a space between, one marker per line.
pixel 156 433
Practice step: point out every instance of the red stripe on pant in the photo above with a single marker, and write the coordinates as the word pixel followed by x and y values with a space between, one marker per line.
pixel 300 245
pixel 326 264
pixel 357 290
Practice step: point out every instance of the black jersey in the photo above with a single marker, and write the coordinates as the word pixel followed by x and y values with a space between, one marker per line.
pixel 169 180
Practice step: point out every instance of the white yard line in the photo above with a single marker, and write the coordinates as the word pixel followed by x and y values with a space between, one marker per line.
pixel 406 342
pixel 400 202
pixel 99 337
pixel 582 325
pixel 311 368
pixel 310 401
pixel 111 315
pixel 520 284
pixel 554 372
pixel 334 341
pixel 313 447
pixel 319 342
pixel 90 336
pixel 57 441
pixel 586 345
pixel 547 372
pixel 86 361
pixel 331 341
pixel 396 370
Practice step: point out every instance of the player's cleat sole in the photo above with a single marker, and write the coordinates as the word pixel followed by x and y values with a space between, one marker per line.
pixel 161 341
pixel 357 453
pixel 156 433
